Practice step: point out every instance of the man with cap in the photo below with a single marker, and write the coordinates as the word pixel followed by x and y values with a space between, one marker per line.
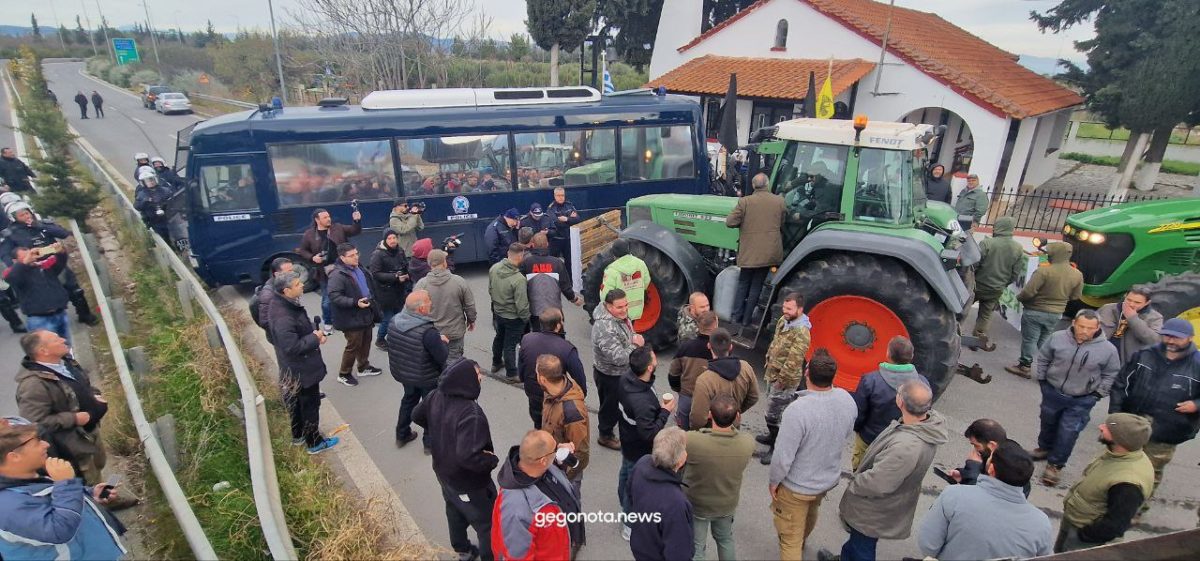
pixel 500 234
pixel 406 222
pixel 1103 504
pixel 1161 382
pixel 972 201
pixel 538 220
pixel 991 519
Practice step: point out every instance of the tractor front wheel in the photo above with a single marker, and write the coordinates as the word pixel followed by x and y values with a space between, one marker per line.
pixel 1178 296
pixel 858 302
pixel 666 293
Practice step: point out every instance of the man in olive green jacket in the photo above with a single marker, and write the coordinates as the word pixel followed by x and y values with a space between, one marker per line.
pixel 1044 300
pixel 1002 261
pixel 972 201
pixel 406 222
pixel 510 309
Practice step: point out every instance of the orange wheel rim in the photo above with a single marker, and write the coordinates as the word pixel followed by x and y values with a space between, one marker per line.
pixel 651 310
pixel 856 331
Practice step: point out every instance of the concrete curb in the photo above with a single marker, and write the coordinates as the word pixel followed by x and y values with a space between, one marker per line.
pixel 363 473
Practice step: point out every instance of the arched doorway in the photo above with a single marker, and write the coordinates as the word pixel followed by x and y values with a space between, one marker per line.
pixel 956 148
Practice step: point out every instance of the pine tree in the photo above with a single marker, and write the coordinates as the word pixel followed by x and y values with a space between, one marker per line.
pixel 37 30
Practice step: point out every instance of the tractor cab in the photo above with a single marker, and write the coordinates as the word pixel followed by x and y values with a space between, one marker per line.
pixel 830 171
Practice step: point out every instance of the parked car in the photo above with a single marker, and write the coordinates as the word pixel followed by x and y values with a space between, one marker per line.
pixel 151 93
pixel 173 102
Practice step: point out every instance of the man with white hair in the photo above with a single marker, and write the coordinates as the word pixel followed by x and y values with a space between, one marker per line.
pixel 656 494
pixel 881 499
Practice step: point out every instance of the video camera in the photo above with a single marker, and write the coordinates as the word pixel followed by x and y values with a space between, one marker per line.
pixel 417 208
pixel 452 242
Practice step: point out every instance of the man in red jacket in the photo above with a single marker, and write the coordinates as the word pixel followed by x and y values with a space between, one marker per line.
pixel 533 515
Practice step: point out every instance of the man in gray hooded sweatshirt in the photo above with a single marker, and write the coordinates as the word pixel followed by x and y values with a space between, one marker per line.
pixel 881 499
pixel 1075 369
pixel 453 303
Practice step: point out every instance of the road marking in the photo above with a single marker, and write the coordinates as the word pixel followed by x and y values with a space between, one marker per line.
pixel 138 120
pixel 171 136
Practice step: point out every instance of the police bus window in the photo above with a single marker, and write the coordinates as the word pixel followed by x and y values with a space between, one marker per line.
pixel 333 172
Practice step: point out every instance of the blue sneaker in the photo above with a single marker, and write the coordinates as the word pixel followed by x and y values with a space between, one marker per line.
pixel 323 446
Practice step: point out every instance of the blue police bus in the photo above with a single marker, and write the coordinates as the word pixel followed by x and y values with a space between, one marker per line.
pixel 255 178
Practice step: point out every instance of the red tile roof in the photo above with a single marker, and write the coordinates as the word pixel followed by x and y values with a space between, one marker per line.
pixel 967 64
pixel 776 78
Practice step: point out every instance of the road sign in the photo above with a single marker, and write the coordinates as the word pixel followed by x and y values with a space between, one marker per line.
pixel 203 79
pixel 126 51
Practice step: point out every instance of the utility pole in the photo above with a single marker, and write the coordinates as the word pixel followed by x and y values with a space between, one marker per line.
pixel 278 57
pixel 88 20
pixel 61 42
pixel 107 41
pixel 153 40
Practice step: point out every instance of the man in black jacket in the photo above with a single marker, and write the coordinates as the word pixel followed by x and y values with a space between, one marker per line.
pixel 656 487
pixel 416 356
pixel 463 456
pixel 549 341
pixel 1163 383
pixel 351 293
pixel 298 349
pixel 565 215
pixel 389 268
pixel 642 416
pixel 265 294
pixel 43 298
pixel 15 172
pixel 27 230
pixel 546 279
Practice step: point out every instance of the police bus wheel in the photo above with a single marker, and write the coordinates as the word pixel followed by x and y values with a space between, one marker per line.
pixel 666 293
pixel 305 268
pixel 858 302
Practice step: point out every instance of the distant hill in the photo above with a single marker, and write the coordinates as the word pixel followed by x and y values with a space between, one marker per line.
pixel 1045 66
pixel 15 30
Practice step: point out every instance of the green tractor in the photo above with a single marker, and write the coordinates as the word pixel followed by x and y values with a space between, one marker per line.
pixel 871 256
pixel 1155 242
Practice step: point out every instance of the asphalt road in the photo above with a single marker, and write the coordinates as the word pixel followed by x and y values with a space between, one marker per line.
pixel 371 407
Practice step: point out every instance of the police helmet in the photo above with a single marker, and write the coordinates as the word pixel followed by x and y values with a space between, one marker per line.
pixel 145 173
pixel 141 156
pixel 158 160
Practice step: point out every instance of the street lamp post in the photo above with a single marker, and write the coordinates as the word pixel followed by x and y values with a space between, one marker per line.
pixel 107 41
pixel 153 40
pixel 278 57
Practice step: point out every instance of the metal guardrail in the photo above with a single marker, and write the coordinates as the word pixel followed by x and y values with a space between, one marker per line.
pixel 263 476
pixel 176 498
pixel 232 102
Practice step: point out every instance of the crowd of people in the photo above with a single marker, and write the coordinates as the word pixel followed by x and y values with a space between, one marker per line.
pixel 683 454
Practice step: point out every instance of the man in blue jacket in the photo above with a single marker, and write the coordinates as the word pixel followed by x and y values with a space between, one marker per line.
pixel 52 517
pixel 656 494
pixel 876 395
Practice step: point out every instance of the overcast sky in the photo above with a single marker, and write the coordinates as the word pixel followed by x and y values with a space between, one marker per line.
pixel 1004 23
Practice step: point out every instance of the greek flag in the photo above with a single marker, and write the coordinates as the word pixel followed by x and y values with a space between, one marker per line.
pixel 608 83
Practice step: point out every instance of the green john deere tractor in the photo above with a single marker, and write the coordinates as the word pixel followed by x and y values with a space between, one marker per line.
pixel 871 256
pixel 1155 242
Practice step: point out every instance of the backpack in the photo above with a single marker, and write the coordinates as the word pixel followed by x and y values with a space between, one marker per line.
pixel 253 304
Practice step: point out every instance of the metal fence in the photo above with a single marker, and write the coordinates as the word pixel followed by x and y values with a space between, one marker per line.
pixel 1100 131
pixel 1047 211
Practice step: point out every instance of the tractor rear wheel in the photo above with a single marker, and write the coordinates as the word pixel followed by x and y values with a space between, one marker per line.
pixel 667 292
pixel 858 302
pixel 1178 296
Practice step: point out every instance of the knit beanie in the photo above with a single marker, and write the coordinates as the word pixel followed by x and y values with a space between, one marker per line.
pixel 1129 431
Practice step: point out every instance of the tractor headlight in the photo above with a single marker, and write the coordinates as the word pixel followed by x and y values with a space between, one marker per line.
pixel 1082 235
pixel 1096 238
pixel 1068 230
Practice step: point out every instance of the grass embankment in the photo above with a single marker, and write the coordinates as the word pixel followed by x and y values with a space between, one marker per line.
pixel 196 384
pixel 1168 166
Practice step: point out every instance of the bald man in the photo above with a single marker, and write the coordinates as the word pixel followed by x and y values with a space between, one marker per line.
pixel 530 516
pixel 417 355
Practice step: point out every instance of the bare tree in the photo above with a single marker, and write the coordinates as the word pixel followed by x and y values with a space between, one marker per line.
pixel 383 44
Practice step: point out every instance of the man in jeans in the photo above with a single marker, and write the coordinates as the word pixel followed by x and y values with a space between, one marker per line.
pixel 716 459
pixel 510 309
pixel 613 340
pixel 319 245
pixel 1075 369
pixel 807 461
pixel 1045 298
pixel 42 296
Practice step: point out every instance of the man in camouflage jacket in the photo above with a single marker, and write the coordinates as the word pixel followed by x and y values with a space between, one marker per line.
pixel 688 314
pixel 785 363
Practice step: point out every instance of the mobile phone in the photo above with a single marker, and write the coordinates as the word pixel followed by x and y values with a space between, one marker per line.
pixel 112 482
pixel 354 204
pixel 945 476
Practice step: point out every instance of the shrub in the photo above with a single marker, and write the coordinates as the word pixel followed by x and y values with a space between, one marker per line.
pixel 119 75
pixel 98 66
pixel 145 76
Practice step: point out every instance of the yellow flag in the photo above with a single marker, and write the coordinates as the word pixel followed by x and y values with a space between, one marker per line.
pixel 825 100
